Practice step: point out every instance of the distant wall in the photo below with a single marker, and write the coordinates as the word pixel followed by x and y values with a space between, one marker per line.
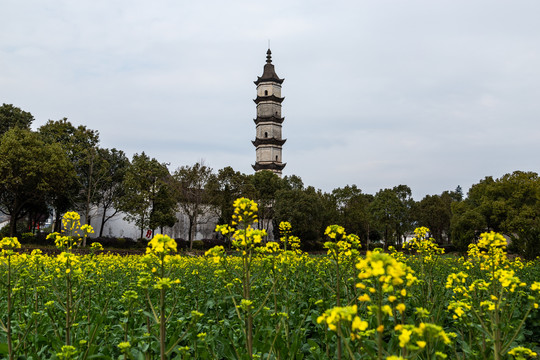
pixel 120 228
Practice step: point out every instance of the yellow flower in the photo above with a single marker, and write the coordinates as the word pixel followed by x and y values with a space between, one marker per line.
pixel 124 346
pixel 161 245
pixel 10 243
pixel 405 337
pixel 386 309
pixel 359 324
pixel 421 344
pixel 400 308
pixel 521 352
pixel 364 297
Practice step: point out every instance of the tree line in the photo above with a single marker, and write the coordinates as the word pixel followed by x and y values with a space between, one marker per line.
pixel 61 167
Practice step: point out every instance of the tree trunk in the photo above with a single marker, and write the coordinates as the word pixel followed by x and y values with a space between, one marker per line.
pixel 190 234
pixel 57 222
pixel 102 222
pixel 12 225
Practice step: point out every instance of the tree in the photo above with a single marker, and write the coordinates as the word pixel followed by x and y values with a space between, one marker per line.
pixel 192 188
pixel 145 178
pixel 353 209
pixel 30 172
pixel 11 117
pixel 510 205
pixel 111 189
pixel 225 188
pixel 81 146
pixel 466 225
pixel 164 206
pixel 391 210
pixel 434 212
pixel 266 184
pixel 308 210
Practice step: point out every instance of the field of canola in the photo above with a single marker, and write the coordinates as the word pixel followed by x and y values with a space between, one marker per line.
pixel 268 300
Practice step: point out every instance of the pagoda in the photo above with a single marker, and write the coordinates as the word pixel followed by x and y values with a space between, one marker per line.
pixel 268 141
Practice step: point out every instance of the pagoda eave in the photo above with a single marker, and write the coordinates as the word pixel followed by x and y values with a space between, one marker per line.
pixel 269 166
pixel 268 141
pixel 268 79
pixel 273 98
pixel 272 118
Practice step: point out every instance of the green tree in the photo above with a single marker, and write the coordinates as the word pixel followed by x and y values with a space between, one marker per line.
pixel 30 172
pixel 510 205
pixel 391 210
pixel 164 206
pixel 11 116
pixel 193 183
pixel 308 210
pixel 466 225
pixel 111 189
pixel 225 188
pixel 354 210
pixel 435 212
pixel 81 146
pixel 143 186
pixel 266 184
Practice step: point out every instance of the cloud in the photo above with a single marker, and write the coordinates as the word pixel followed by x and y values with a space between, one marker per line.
pixel 428 94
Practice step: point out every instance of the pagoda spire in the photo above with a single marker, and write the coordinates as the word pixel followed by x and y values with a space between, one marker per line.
pixel 268 141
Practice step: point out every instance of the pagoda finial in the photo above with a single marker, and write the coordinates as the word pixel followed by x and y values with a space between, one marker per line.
pixel 268 57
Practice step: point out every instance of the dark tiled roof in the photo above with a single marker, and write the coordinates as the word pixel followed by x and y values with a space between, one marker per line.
pixel 269 98
pixel 268 166
pixel 269 73
pixel 271 118
pixel 268 141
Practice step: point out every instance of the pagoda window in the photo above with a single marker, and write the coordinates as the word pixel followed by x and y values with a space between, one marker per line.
pixel 265 92
pixel 265 134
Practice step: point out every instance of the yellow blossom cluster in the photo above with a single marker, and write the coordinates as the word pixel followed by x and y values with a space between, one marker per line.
pixel 161 245
pixel 245 211
pixel 224 229
pixel 489 253
pixel 423 244
pixel 9 244
pixel 284 228
pixel 335 232
pixel 385 269
pixel 243 237
pixel 71 221
pixel 343 245
pixel 417 337
pixel 271 248
pixel 95 246
pixel 346 315
pixel 215 253
pixel 459 308
pixel 522 353
pixel 248 237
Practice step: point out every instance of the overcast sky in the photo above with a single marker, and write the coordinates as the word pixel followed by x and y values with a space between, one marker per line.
pixel 431 94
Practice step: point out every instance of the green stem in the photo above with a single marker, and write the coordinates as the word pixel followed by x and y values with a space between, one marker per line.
pixel 338 299
pixel 10 345
pixel 162 327
pixel 68 304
